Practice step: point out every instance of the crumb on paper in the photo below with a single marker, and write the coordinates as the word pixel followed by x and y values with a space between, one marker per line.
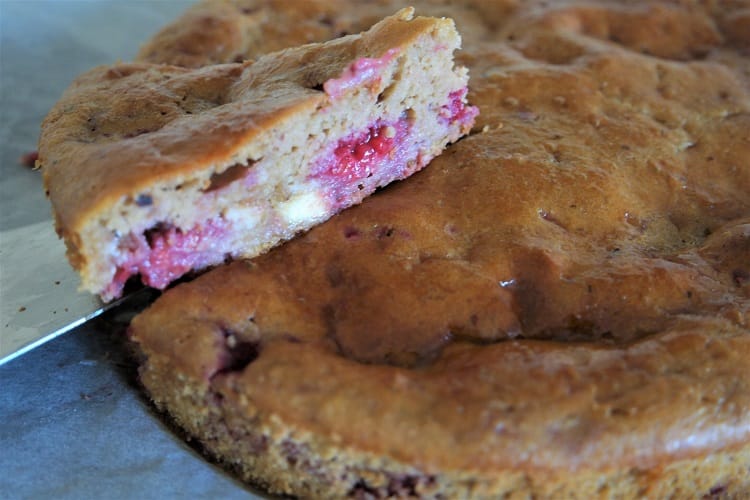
pixel 29 159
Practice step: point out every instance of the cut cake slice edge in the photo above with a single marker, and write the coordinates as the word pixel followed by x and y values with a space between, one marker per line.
pixel 156 171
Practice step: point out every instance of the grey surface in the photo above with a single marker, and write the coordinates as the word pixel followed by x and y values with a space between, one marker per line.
pixel 73 423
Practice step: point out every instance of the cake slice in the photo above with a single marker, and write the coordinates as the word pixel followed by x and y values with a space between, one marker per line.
pixel 157 170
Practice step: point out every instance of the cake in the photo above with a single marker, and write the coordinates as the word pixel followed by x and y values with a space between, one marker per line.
pixel 556 308
pixel 156 170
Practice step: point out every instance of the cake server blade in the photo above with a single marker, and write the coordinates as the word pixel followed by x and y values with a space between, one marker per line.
pixel 39 297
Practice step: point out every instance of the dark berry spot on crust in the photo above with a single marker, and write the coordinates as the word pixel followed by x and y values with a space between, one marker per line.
pixel 144 200
pixel 399 486
pixel 258 444
pixel 351 232
pixel 334 275
pixel 405 486
pixel 740 277
pixel 326 20
pixel 238 353
pixel 363 490
pixel 715 491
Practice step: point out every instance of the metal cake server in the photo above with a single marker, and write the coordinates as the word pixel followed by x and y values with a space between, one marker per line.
pixel 39 297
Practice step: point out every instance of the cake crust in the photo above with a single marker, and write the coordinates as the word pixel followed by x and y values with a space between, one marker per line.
pixel 557 307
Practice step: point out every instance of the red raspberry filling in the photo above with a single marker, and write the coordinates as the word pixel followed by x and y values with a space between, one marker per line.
pixel 456 111
pixel 164 254
pixel 356 157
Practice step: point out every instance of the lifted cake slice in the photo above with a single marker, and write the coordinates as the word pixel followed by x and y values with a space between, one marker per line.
pixel 156 170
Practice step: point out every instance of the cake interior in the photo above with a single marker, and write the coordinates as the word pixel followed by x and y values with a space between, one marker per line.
pixel 387 117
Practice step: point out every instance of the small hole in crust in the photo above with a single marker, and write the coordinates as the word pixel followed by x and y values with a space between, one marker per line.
pixel 385 232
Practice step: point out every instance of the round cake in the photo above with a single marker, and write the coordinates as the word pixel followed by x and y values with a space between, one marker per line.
pixel 556 307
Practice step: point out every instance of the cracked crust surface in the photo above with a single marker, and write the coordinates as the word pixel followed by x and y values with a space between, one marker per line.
pixel 557 306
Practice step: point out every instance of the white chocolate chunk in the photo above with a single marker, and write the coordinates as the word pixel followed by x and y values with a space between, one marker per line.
pixel 302 208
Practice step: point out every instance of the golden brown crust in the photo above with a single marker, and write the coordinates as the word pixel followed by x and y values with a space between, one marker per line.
pixel 221 31
pixel 557 306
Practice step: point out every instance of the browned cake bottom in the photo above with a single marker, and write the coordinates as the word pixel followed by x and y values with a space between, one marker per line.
pixel 556 307
pixel 445 443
